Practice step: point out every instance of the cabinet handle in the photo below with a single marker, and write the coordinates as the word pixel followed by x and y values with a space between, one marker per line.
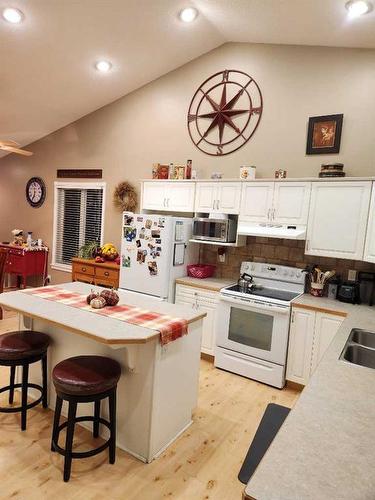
pixel 269 214
pixel 168 202
pixel 106 273
pixel 292 320
pixel 217 204
pixel 83 269
pixel 164 203
pixel 307 244
pixel 273 213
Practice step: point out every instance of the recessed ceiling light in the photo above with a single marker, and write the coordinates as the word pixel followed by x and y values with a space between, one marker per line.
pixel 188 15
pixel 358 8
pixel 12 15
pixel 103 66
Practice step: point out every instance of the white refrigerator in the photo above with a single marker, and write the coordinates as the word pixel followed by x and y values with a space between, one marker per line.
pixel 155 250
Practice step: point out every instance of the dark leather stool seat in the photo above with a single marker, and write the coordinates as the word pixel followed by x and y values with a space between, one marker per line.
pixel 22 348
pixel 23 344
pixel 85 379
pixel 86 375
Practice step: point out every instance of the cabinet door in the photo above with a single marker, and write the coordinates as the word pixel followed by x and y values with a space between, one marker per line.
pixel 228 197
pixel 338 219
pixel 370 235
pixel 326 327
pixel 180 196
pixel 291 202
pixel 153 196
pixel 256 201
pixel 300 345
pixel 205 199
pixel 204 301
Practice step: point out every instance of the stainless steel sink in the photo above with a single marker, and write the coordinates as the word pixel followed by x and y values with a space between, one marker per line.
pixel 360 348
pixel 363 337
pixel 360 356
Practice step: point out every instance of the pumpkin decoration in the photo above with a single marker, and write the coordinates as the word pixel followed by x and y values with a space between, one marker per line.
pixel 110 296
pixel 92 295
pixel 98 303
pixel 125 197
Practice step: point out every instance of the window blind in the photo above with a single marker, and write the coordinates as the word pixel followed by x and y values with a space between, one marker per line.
pixel 78 221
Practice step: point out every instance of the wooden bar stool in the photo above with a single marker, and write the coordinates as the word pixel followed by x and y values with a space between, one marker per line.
pixel 22 348
pixel 85 379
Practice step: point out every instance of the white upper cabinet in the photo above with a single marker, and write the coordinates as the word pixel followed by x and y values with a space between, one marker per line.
pixel 256 204
pixel 276 202
pixel 369 255
pixel 218 197
pixel 168 196
pixel 338 219
pixel 205 196
pixel 153 196
pixel 291 202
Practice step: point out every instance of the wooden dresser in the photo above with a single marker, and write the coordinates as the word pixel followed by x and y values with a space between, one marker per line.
pixel 23 263
pixel 89 271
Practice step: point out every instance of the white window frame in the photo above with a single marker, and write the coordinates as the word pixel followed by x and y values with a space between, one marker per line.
pixel 73 185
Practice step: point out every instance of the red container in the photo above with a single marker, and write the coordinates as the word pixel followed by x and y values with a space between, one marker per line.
pixel 201 270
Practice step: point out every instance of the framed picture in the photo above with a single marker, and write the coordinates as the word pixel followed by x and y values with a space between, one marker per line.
pixel 324 134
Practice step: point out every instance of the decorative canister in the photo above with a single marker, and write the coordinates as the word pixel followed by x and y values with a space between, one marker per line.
pixel 247 172
pixel 280 174
pixel 316 289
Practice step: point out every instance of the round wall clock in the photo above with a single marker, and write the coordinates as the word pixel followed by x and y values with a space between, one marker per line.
pixel 36 192
pixel 225 112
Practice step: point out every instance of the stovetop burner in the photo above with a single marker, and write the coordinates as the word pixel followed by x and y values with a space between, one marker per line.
pixel 270 293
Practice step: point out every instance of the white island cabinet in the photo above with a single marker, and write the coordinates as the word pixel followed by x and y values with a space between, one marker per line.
pixel 158 388
pixel 338 219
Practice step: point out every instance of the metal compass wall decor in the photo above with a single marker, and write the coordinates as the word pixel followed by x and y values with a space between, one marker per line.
pixel 225 112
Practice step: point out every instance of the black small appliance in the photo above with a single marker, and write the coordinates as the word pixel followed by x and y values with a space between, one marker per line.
pixel 349 292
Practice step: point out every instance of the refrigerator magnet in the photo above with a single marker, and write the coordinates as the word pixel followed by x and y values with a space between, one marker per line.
pixel 148 224
pixel 155 233
pixel 128 219
pixel 139 219
pixel 126 261
pixel 138 243
pixel 130 233
pixel 153 268
pixel 142 233
pixel 161 222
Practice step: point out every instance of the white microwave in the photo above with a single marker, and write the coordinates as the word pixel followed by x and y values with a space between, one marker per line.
pixel 220 230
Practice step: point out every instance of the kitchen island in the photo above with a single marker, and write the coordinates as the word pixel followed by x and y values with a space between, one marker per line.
pixel 158 388
pixel 325 448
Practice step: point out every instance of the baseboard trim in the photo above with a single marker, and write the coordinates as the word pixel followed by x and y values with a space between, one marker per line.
pixel 207 357
pixel 295 385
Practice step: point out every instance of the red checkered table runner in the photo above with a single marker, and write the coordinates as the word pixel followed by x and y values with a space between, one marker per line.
pixel 170 328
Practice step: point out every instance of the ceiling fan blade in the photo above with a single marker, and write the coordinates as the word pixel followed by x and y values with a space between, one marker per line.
pixel 9 143
pixel 11 149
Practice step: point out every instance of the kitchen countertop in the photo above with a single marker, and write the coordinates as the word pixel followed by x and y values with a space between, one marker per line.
pixel 325 449
pixel 101 328
pixel 213 284
pixel 324 304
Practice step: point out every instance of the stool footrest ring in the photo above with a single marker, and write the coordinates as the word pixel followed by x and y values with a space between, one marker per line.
pixel 15 409
pixel 82 454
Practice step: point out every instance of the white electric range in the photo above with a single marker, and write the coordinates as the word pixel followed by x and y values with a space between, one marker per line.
pixel 253 327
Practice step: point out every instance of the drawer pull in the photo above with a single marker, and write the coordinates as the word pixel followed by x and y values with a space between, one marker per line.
pixel 83 269
pixel 106 273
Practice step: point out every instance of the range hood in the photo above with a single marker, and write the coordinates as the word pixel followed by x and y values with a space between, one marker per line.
pixel 286 231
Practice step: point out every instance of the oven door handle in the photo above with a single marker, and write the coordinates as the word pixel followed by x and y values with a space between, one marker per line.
pixel 256 304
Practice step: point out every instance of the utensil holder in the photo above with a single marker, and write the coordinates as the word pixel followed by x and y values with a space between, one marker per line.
pixel 316 289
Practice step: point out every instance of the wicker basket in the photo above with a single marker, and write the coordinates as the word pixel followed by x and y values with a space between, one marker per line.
pixel 201 271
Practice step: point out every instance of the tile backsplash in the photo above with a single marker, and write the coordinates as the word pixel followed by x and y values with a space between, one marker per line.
pixel 276 251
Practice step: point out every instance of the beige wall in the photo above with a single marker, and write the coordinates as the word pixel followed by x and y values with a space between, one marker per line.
pixel 149 125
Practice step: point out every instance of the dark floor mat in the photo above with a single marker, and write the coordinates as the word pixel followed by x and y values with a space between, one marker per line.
pixel 269 426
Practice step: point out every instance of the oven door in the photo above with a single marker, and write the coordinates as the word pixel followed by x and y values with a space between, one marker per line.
pixel 210 229
pixel 253 327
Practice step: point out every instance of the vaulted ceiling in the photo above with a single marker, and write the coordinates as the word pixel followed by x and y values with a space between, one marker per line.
pixel 47 73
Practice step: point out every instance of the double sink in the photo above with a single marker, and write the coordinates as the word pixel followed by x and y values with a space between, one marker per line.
pixel 360 348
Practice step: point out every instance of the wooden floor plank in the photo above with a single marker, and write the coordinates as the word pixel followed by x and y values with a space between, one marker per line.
pixel 202 464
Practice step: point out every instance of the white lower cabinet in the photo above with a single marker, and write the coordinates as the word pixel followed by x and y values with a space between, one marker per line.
pixel 310 334
pixel 204 301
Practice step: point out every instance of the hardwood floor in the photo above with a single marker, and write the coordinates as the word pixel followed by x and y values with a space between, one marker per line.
pixel 202 464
